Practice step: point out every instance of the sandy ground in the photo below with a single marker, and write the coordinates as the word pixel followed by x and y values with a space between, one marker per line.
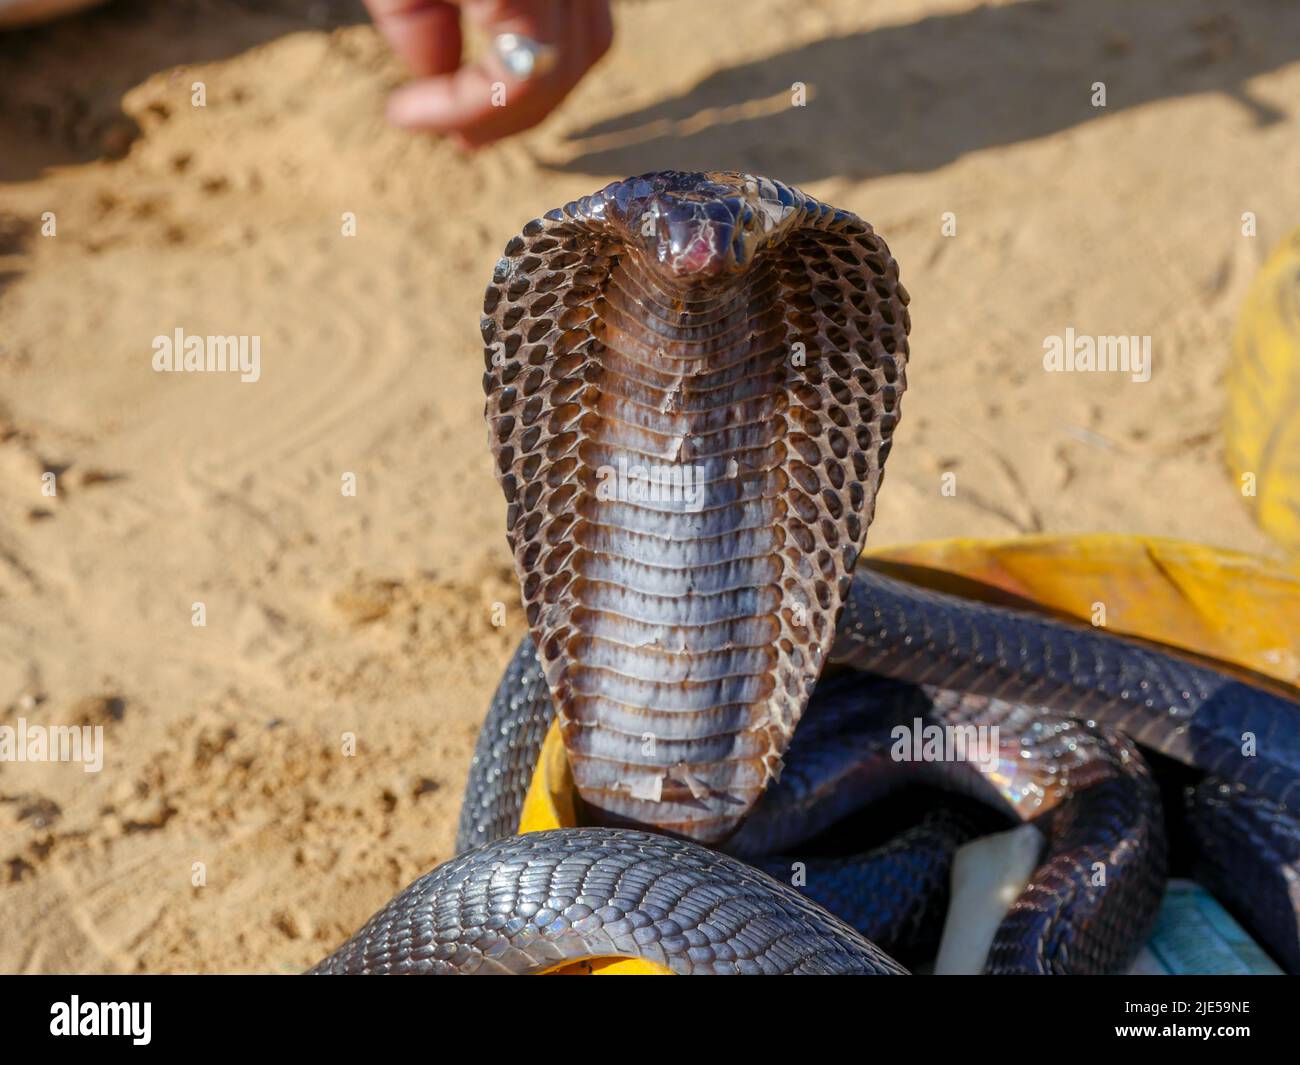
pixel 228 829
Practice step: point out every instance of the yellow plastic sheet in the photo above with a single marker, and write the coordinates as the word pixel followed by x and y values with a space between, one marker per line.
pixel 1263 384
pixel 1241 611
pixel 550 803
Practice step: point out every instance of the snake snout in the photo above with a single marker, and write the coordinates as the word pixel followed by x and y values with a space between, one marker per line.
pixel 699 240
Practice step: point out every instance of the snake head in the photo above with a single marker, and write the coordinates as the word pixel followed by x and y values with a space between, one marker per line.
pixel 697 228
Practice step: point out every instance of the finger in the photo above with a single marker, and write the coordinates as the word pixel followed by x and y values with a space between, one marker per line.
pixel 586 36
pixel 469 102
pixel 424 34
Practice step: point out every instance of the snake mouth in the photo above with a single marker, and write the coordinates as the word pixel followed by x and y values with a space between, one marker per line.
pixel 692 383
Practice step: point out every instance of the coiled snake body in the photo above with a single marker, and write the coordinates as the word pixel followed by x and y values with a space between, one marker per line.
pixel 693 382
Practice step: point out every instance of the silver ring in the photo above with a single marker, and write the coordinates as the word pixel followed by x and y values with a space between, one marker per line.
pixel 524 57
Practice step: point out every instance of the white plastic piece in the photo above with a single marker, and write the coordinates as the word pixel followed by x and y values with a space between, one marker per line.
pixel 987 876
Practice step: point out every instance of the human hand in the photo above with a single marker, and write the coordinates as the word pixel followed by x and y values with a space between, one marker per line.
pixel 458 99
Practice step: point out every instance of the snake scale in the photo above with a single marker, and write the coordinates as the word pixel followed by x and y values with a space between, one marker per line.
pixel 692 386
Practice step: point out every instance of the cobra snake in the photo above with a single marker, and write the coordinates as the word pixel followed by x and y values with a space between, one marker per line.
pixel 693 382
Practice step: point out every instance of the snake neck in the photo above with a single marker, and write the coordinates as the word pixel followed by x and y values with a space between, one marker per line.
pixel 667 673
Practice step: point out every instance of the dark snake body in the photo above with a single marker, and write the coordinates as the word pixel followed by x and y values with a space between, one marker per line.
pixel 656 319
pixel 530 903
